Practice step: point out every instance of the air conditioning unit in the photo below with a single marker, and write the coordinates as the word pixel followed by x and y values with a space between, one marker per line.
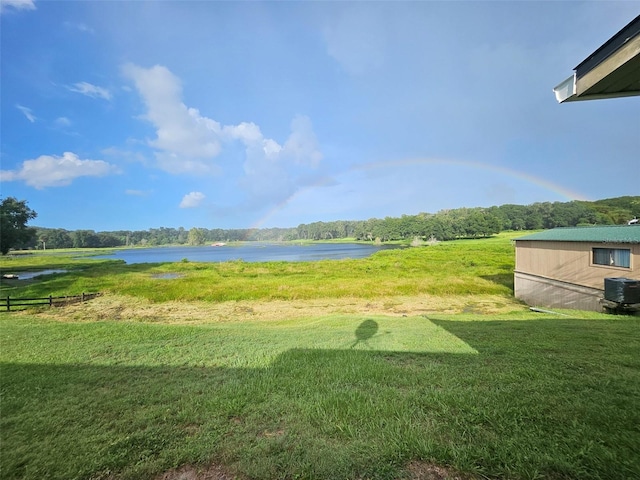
pixel 622 290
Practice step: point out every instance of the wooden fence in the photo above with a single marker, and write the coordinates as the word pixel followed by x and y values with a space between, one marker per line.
pixel 7 303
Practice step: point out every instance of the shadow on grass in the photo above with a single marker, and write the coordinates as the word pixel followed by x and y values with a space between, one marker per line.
pixel 365 331
pixel 552 398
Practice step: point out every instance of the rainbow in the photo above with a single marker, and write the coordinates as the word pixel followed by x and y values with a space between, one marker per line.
pixel 540 182
pixel 371 166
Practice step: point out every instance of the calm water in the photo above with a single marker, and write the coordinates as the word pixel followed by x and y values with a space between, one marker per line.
pixel 249 252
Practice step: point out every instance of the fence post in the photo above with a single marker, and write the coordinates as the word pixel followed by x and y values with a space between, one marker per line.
pixel 82 300
pixel 50 301
pixel 8 304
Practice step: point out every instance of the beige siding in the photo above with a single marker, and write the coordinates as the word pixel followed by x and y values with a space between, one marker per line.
pixel 571 262
pixel 543 292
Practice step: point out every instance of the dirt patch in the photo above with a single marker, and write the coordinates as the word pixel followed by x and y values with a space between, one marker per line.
pixel 416 470
pixel 189 472
pixel 120 307
pixel 429 471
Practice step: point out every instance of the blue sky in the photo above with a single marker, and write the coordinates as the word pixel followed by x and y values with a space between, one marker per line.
pixel 136 115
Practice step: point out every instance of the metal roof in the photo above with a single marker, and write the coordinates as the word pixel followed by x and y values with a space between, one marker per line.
pixel 630 31
pixel 606 234
pixel 613 70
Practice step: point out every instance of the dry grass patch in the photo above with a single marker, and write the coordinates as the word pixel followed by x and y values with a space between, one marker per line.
pixel 190 472
pixel 430 471
pixel 121 307
pixel 416 470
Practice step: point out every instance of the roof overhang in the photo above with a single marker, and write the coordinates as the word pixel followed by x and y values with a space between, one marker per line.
pixel 612 71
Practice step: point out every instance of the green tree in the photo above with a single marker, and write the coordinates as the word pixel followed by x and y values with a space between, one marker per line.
pixel 51 238
pixel 196 236
pixel 107 239
pixel 14 215
pixel 85 239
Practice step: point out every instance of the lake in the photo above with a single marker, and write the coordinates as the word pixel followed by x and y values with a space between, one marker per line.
pixel 248 252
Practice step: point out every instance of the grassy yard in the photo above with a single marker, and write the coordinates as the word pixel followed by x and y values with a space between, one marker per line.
pixel 309 393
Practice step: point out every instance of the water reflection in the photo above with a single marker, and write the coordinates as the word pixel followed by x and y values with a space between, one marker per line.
pixel 248 252
pixel 30 275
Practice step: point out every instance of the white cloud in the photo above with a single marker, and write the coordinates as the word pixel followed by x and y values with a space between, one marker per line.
pixel 27 113
pixel 189 142
pixel 174 163
pixel 274 172
pixel 17 5
pixel 302 144
pixel 185 139
pixel 62 122
pixel 192 200
pixel 55 171
pixel 90 90
pixel 131 156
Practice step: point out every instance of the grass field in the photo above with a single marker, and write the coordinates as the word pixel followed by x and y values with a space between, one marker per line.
pixel 470 268
pixel 170 382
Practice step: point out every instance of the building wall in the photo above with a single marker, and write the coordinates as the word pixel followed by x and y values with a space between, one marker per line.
pixel 572 262
pixel 562 274
pixel 544 292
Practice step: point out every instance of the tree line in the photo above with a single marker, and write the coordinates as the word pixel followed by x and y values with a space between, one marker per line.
pixel 443 225
pixel 478 222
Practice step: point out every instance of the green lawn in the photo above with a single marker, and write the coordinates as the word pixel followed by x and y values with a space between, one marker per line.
pixel 334 397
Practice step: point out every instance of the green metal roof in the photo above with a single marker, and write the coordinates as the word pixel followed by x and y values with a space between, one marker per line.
pixel 608 234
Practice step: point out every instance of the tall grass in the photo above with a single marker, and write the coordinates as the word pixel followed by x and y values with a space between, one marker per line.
pixel 457 268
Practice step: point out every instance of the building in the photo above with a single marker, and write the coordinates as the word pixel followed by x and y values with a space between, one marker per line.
pixel 566 267
pixel 613 70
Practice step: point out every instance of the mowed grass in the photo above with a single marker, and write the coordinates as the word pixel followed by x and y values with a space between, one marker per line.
pixel 311 395
pixel 515 396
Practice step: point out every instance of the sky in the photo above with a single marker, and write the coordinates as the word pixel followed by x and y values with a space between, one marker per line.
pixel 133 115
